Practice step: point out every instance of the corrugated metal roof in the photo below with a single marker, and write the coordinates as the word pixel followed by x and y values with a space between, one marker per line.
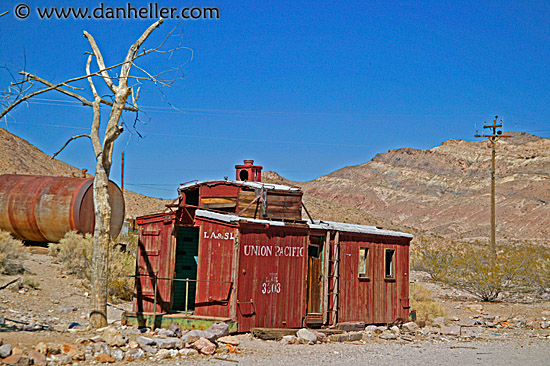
pixel 316 224
pixel 239 183
pixel 353 228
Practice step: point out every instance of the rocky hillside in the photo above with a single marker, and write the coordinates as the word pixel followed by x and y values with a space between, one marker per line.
pixel 18 156
pixel 446 190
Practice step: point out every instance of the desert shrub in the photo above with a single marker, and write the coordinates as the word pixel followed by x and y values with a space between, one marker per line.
pixel 423 302
pixel 12 254
pixel 31 282
pixel 431 255
pixel 74 252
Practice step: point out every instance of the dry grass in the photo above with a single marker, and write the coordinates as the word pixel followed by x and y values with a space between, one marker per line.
pixel 427 309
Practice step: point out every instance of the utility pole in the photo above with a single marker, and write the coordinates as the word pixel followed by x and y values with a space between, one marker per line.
pixel 122 175
pixel 493 138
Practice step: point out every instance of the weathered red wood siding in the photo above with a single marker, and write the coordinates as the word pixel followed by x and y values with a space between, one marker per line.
pixel 155 258
pixel 374 298
pixel 271 279
pixel 216 243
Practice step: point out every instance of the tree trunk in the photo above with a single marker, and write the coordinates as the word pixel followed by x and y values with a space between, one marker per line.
pixel 100 251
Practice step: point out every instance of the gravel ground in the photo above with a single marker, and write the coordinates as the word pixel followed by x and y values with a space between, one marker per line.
pixel 531 351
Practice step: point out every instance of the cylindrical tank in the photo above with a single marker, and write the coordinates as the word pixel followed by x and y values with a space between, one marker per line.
pixel 43 209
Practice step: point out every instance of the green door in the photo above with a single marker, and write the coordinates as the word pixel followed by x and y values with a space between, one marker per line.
pixel 187 250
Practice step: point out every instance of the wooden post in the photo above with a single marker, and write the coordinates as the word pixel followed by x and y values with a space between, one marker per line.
pixel 336 278
pixel 234 277
pixel 326 269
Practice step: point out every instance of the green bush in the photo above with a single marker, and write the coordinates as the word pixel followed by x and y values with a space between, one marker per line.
pixel 473 268
pixel 12 254
pixel 74 252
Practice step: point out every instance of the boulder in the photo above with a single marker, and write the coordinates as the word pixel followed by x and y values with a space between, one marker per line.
pixel 103 358
pixel 201 334
pixel 38 358
pixel 288 339
pixel 134 354
pixel 321 337
pixel 187 352
pixel 387 335
pixel 370 329
pixel 60 359
pixel 114 338
pixel 395 330
pixel 176 329
pixel 219 329
pixel 164 354
pixel 204 346
pixel 118 354
pixel 306 336
pixel 5 350
pixel 144 341
pixel 232 340
pixel 19 360
pixel 411 327
pixel 453 330
pixel 169 343
pixel 161 332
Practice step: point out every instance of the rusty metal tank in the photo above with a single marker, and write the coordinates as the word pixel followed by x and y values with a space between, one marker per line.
pixel 41 208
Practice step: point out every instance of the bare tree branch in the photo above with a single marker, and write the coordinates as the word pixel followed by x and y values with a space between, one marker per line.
pixel 100 62
pixel 69 140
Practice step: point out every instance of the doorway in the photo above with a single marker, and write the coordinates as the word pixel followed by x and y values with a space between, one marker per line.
pixel 314 275
pixel 187 251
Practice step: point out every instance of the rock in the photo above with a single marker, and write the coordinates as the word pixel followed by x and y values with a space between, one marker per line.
pixel 204 346
pixel 188 352
pixel 176 329
pixel 219 329
pixel 38 358
pixel 66 309
pixel 395 330
pixel 133 344
pixel 101 348
pixel 411 327
pixel 545 325
pixel 60 359
pixel 306 336
pixel 72 351
pixel 117 354
pixel 19 360
pixel 5 350
pixel 387 335
pixel 168 343
pixel 346 337
pixel 131 331
pixel 103 358
pixel 288 339
pixel 439 322
pixel 380 329
pixel 321 337
pixel 232 340
pixel 370 329
pixel 161 332
pixel 149 349
pixel 134 354
pixel 453 330
pixel 17 351
pixel 199 333
pixel 407 338
pixel 536 325
pixel 144 341
pixel 474 322
pixel 431 330
pixel 114 338
pixel 97 339
pixel 165 354
pixel 475 307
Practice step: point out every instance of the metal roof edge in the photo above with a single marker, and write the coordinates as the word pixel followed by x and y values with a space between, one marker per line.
pixel 279 187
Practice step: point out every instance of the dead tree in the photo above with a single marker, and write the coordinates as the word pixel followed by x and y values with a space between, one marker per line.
pixel 117 99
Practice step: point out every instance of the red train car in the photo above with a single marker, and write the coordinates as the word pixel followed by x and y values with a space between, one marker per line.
pixel 240 252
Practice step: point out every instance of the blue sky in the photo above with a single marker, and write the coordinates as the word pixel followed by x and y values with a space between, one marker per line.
pixel 303 88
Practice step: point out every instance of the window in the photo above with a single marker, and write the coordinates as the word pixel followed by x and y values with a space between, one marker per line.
pixel 389 263
pixel 363 264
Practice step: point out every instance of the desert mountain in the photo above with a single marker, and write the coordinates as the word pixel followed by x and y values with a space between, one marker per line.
pixel 18 156
pixel 445 190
